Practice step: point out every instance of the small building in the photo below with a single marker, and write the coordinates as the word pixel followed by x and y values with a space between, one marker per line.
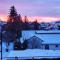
pixel 43 40
pixel 37 43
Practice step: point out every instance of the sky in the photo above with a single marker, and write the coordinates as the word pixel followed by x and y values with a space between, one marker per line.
pixel 43 10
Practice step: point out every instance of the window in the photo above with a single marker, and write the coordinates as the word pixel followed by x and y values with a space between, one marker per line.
pixel 46 46
pixel 56 45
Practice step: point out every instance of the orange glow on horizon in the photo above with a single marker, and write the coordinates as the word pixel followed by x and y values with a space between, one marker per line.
pixel 33 18
pixel 3 18
pixel 43 19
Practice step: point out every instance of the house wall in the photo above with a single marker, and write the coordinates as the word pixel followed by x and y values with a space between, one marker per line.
pixel 43 47
pixel 52 47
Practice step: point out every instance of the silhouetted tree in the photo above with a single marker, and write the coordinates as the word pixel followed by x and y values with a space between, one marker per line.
pixel 36 25
pixel 25 44
pixel 26 24
pixel 14 24
pixel 14 21
pixel 17 45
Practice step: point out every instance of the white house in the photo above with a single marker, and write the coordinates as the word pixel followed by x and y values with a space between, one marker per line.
pixel 42 39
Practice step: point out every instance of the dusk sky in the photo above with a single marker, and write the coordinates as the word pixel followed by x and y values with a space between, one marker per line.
pixel 44 10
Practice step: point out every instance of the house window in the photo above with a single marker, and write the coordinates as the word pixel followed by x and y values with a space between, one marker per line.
pixel 56 45
pixel 46 46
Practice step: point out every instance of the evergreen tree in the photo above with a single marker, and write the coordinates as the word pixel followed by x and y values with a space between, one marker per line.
pixel 26 24
pixel 36 25
pixel 13 25
pixel 14 19
pixel 12 15
pixel 25 44
pixel 17 46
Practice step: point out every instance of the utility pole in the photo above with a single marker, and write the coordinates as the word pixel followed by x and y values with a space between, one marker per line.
pixel 1 41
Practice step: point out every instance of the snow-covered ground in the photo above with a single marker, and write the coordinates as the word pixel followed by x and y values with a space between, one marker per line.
pixel 4 47
pixel 29 53
pixel 35 53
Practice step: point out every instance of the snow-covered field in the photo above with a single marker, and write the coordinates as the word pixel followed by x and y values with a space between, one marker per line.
pixel 29 53
pixel 4 53
pixel 34 53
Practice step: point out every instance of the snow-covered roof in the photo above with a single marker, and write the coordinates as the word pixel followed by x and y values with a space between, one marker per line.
pixel 35 38
pixel 49 37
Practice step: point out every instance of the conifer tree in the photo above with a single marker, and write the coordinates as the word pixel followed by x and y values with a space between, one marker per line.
pixel 36 25
pixel 13 25
pixel 26 25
